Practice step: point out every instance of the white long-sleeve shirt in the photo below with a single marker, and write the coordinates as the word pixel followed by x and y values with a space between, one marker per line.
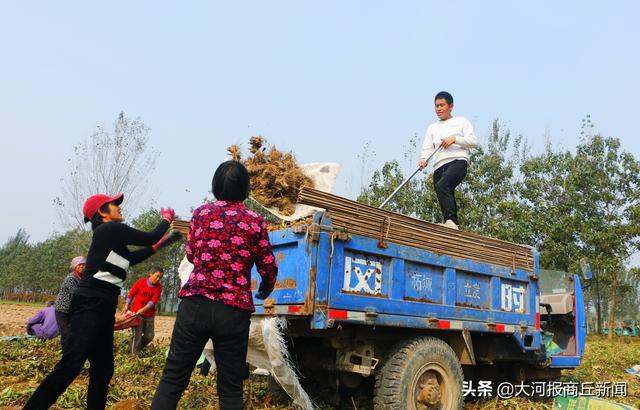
pixel 459 127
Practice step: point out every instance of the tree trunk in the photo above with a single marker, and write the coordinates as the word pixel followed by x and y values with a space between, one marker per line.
pixel 612 312
pixel 598 309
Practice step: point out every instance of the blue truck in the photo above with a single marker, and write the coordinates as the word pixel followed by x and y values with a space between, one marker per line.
pixel 413 324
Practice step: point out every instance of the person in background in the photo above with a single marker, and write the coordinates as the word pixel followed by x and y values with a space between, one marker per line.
pixel 43 324
pixel 455 136
pixel 94 302
pixel 225 240
pixel 144 294
pixel 63 300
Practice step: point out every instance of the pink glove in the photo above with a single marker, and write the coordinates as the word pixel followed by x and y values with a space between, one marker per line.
pixel 167 240
pixel 168 214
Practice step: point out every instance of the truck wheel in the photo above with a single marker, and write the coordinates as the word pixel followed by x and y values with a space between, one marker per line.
pixel 418 374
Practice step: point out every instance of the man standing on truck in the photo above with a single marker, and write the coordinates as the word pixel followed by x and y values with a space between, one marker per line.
pixel 455 136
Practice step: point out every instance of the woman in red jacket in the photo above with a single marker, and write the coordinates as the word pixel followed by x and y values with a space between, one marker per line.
pixel 143 298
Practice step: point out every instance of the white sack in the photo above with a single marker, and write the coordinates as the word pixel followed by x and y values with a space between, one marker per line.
pixel 323 175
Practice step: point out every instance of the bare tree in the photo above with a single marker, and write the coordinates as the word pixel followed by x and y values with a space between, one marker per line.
pixel 108 162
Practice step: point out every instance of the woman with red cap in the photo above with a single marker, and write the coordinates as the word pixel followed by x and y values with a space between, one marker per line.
pixel 94 302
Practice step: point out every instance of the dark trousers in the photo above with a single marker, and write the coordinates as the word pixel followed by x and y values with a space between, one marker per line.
pixel 445 180
pixel 200 319
pixel 90 337
pixel 62 319
pixel 142 334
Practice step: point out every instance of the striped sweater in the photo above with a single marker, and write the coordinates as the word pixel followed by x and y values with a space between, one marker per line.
pixel 109 258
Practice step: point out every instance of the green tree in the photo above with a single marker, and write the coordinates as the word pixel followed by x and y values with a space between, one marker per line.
pixel 489 199
pixel 607 181
pixel 11 249
pixel 41 267
pixel 627 306
pixel 10 252
pixel 546 197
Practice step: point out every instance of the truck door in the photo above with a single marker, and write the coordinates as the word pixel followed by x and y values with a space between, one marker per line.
pixel 562 318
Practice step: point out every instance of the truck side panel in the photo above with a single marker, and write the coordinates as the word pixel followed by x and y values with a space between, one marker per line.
pixel 295 258
pixel 405 281
pixel 356 280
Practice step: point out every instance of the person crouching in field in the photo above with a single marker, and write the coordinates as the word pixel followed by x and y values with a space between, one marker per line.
pixel 63 300
pixel 225 240
pixel 94 302
pixel 144 294
pixel 43 324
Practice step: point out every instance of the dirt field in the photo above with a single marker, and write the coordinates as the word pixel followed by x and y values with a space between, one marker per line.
pixel 24 363
pixel 13 320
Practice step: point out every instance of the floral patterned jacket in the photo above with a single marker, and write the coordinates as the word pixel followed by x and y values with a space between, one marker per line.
pixel 225 240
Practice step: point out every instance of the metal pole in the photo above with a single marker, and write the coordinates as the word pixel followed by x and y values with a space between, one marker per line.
pixel 408 179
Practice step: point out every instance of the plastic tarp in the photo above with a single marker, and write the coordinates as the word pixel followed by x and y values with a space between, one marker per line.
pixel 551 347
pixel 587 403
pixel 635 370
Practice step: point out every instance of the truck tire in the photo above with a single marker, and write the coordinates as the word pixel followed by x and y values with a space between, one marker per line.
pixel 418 374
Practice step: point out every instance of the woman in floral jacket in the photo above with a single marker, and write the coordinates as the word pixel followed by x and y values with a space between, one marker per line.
pixel 225 240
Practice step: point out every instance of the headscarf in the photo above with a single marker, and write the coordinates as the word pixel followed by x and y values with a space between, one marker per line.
pixel 78 260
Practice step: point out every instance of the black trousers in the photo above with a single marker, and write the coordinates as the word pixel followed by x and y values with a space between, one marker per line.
pixel 90 337
pixel 62 319
pixel 200 319
pixel 445 180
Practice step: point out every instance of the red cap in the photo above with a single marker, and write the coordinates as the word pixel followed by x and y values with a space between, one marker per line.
pixel 94 202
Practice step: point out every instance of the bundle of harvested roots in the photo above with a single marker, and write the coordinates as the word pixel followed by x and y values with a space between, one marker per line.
pixel 276 177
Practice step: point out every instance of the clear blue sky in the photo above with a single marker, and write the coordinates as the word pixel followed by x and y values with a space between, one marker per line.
pixel 319 78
